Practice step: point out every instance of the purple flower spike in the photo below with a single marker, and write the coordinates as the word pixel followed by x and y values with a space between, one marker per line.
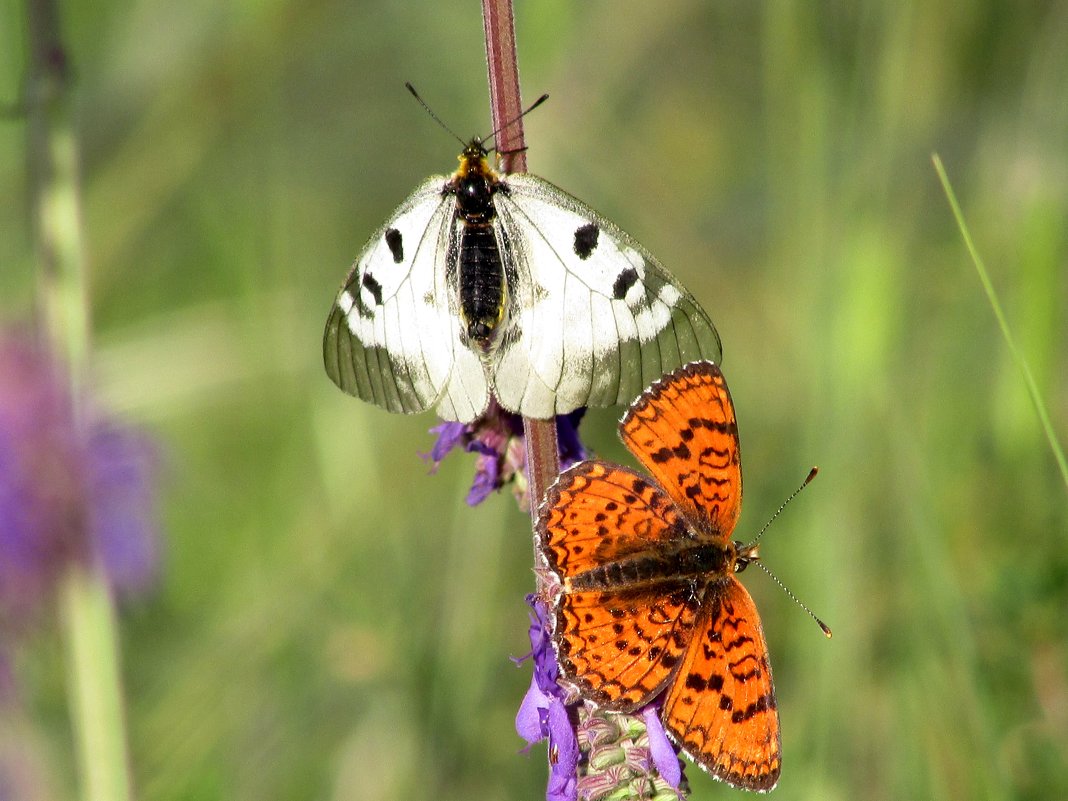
pixel 65 494
pixel 544 712
pixel 497 439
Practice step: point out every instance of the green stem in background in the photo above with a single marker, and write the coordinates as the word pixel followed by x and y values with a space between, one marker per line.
pixel 991 294
pixel 86 603
pixel 94 685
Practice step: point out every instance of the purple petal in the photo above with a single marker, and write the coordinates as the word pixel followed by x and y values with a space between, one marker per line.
pixel 571 448
pixel 528 721
pixel 483 448
pixel 449 436
pixel 122 506
pixel 660 748
pixel 485 480
pixel 546 668
pixel 563 755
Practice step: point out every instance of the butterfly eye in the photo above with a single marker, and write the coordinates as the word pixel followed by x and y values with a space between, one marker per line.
pixel 743 555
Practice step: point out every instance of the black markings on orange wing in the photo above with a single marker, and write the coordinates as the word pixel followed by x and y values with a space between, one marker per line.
pixel 597 513
pixel 684 431
pixel 620 647
pixel 720 708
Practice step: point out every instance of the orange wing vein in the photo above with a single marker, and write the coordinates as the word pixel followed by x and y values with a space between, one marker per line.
pixel 684 431
pixel 721 707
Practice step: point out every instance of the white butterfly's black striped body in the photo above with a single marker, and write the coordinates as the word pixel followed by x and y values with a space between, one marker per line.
pixel 482 284
pixel 481 281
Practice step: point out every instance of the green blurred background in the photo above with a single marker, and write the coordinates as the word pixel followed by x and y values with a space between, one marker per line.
pixel 333 622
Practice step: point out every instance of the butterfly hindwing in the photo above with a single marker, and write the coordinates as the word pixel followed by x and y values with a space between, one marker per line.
pixel 620 647
pixel 392 335
pixel 595 317
pixel 721 708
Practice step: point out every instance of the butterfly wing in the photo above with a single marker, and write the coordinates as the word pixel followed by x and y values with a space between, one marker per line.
pixel 618 645
pixel 721 707
pixel 392 337
pixel 597 513
pixel 594 317
pixel 684 431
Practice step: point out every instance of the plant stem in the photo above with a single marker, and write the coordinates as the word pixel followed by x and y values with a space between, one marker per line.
pixel 86 604
pixel 543 460
pixel 94 685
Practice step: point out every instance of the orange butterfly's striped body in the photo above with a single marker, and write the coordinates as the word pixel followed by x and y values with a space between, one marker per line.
pixel 648 601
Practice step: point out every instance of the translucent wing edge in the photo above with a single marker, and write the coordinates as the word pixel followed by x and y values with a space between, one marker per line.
pixel 371 372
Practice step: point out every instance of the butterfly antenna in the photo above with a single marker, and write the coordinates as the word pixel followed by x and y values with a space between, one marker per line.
pixel 518 117
pixel 796 600
pixel 433 116
pixel 751 548
pixel 808 479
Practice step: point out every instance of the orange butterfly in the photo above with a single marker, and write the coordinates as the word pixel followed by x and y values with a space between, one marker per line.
pixel 648 601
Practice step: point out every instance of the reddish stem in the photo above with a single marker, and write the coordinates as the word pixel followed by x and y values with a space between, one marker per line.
pixel 543 460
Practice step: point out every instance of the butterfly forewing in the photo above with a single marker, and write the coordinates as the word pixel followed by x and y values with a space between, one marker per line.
pixel 721 707
pixel 684 431
pixel 596 514
pixel 608 317
pixel 392 337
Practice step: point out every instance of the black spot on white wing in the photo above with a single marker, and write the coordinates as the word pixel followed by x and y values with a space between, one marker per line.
pixel 395 243
pixel 586 240
pixel 373 288
pixel 624 281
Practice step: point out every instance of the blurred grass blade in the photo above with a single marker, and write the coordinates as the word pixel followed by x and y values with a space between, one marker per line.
pixel 95 699
pixel 95 686
pixel 1018 357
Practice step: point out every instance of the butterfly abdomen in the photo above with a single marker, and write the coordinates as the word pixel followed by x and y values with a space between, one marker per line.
pixel 706 560
pixel 481 279
pixel 481 282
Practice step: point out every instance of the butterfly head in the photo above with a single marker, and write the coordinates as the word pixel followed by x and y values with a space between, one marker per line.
pixel 474 158
pixel 744 554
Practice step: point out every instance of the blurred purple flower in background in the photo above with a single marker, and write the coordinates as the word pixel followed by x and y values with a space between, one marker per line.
pixel 63 495
pixel 497 438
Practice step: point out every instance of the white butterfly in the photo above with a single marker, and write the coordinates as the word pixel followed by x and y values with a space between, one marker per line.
pixel 481 283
